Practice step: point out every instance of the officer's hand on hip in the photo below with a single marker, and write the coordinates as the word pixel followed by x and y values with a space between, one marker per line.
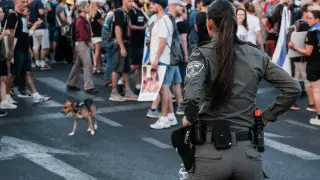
pixel 265 122
pixel 185 122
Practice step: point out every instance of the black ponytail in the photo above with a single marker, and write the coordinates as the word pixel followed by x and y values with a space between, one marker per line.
pixel 222 13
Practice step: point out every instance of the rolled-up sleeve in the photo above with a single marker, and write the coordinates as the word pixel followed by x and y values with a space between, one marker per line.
pixel 196 75
pixel 290 90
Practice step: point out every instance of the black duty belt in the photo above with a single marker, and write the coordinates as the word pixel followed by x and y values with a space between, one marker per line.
pixel 236 136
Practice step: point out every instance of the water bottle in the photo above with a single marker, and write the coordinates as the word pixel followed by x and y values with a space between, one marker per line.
pixel 183 174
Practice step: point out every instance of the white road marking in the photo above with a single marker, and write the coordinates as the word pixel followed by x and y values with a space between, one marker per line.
pixel 50 103
pixel 265 90
pixel 300 124
pixel 58 167
pixel 61 87
pixel 270 135
pixel 96 80
pixel 291 150
pixel 108 121
pixel 156 143
pixel 58 115
pixel 39 154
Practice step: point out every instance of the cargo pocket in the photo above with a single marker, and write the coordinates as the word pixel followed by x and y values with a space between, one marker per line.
pixel 253 154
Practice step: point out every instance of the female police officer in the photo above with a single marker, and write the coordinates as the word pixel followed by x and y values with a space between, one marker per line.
pixel 224 74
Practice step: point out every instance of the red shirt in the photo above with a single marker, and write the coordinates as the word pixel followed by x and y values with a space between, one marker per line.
pixel 83 31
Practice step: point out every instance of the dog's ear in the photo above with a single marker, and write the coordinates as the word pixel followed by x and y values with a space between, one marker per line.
pixel 73 105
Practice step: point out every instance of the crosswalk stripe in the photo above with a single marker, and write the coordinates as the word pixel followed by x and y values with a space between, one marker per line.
pixel 108 121
pixel 58 115
pixel 265 90
pixel 50 103
pixel 96 80
pixel 291 150
pixel 61 87
pixel 156 143
pixel 300 124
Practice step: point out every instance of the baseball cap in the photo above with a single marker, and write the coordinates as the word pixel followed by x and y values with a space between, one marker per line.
pixel 163 3
pixel 179 2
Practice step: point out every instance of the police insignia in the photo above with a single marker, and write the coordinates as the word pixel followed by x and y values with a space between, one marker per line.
pixel 194 68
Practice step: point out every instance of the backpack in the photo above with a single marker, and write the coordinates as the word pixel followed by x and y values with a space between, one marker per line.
pixel 269 10
pixel 176 54
pixel 107 33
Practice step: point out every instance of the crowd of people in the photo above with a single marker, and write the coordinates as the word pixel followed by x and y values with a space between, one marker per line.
pixel 115 39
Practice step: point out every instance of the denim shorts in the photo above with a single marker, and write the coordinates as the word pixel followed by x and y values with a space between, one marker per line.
pixel 176 75
pixel 168 77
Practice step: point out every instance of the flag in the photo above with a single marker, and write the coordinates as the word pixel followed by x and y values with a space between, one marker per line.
pixel 280 56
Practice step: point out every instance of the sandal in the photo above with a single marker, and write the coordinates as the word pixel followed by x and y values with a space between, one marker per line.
pixel 94 70
pixel 108 83
pixel 100 71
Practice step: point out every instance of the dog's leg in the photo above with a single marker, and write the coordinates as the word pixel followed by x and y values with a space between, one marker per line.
pixel 94 115
pixel 90 124
pixel 74 127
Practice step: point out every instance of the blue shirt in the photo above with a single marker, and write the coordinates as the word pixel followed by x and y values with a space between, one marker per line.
pixel 35 6
pixel 193 36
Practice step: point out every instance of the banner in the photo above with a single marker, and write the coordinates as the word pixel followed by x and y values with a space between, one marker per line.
pixel 280 56
pixel 147 37
pixel 151 82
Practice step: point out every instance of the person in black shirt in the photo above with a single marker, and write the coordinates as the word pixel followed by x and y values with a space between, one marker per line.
pixel 97 15
pixel 121 63
pixel 312 51
pixel 300 63
pixel 138 26
pixel 202 22
pixel 18 52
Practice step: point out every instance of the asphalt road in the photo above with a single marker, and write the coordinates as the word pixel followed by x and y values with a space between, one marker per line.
pixel 35 144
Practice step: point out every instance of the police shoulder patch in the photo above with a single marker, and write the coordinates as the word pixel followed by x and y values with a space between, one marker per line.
pixel 194 68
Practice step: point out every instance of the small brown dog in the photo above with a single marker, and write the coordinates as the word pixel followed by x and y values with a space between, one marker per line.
pixel 79 111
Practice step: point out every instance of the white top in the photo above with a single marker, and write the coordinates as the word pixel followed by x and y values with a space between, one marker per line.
pixel 163 28
pixel 242 33
pixel 253 26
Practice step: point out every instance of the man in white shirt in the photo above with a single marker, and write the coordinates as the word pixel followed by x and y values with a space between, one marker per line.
pixel 161 39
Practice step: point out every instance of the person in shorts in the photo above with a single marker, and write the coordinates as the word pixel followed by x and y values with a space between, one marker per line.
pixel 40 35
pixel 138 26
pixel 18 53
pixel 5 104
pixel 122 60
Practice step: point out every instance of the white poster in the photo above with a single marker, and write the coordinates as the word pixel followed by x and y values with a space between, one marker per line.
pixel 151 82
pixel 298 39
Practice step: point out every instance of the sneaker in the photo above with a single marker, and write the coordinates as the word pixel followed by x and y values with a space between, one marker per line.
pixel 11 100
pixel 7 105
pixel 33 65
pixel 115 96
pixel 315 121
pixel 45 67
pixel 295 107
pixel 130 96
pixel 3 113
pixel 160 124
pixel 173 122
pixel 153 114
pixel 311 108
pixel 180 110
pixel 24 94
pixel 40 99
